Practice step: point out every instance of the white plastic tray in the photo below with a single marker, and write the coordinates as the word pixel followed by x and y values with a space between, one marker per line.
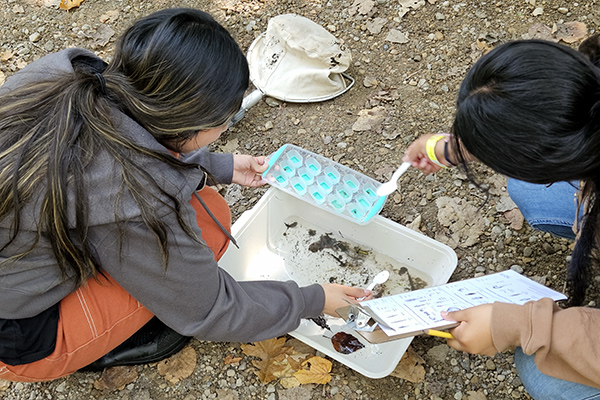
pixel 259 258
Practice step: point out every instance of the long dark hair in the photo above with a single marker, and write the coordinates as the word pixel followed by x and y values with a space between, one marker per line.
pixel 175 72
pixel 531 110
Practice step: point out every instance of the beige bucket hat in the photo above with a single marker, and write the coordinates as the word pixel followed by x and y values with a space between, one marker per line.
pixel 297 60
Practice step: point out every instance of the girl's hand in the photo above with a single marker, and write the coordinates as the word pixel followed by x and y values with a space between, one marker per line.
pixel 474 334
pixel 417 156
pixel 335 295
pixel 247 170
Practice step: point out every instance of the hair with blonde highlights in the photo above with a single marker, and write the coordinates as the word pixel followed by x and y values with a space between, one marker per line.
pixel 174 72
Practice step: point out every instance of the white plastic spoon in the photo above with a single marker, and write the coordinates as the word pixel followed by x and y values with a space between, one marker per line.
pixel 392 185
pixel 378 280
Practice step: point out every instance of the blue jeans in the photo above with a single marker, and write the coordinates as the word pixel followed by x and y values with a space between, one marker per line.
pixel 546 208
pixel 549 209
pixel 544 387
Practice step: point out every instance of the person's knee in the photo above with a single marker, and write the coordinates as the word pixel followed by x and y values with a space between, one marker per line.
pixel 546 208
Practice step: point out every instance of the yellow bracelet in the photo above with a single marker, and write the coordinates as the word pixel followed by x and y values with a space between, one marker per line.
pixel 430 149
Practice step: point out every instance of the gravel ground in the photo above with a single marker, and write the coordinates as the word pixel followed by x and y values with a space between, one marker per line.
pixel 408 63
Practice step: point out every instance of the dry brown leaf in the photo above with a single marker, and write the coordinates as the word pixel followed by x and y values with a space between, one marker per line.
pixel 317 373
pixel 482 45
pixel 289 382
pixel 540 31
pixel 276 361
pixel 4 384
pixel 267 349
pixel 178 366
pixel 232 360
pixel 515 218
pixel 410 367
pixel 6 55
pixel 68 4
pixel 116 378
pixel 570 32
pixel 109 17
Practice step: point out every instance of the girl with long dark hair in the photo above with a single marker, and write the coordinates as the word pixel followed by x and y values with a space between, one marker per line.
pixel 531 110
pixel 109 234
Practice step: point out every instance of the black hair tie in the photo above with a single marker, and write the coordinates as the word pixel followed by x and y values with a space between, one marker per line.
pixel 100 78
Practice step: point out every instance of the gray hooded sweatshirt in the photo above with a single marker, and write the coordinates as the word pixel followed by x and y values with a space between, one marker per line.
pixel 193 295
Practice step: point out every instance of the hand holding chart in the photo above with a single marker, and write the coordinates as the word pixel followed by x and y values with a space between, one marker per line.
pixel 419 310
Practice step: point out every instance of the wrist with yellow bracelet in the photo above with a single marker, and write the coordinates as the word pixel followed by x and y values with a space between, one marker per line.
pixel 436 152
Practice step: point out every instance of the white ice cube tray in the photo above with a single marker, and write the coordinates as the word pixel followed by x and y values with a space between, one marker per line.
pixel 324 183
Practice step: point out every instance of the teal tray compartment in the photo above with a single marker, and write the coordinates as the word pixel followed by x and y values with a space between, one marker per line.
pixel 324 183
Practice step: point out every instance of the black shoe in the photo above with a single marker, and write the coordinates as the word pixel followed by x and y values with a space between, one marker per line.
pixel 153 342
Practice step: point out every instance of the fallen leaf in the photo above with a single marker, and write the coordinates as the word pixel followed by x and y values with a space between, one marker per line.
pixel 407 5
pixel 375 26
pixel 318 371
pixel 410 367
pixel 232 360
pixel 462 219
pixel 6 55
pixel 109 17
pixel 361 6
pixel 116 378
pixel 102 35
pixel 21 64
pixel 515 218
pixel 395 36
pixel 270 352
pixel 570 32
pixel 369 119
pixel 178 366
pixel 540 31
pixel 68 4
pixel 289 382
pixel 266 349
pixel 4 384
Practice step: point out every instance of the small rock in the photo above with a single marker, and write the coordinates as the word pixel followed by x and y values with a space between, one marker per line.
pixel 538 11
pixel 61 387
pixel 489 365
pixel 563 10
pixel 517 268
pixel 268 125
pixel 34 37
pixel 272 102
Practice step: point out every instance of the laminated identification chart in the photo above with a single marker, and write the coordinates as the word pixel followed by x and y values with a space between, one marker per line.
pixel 413 312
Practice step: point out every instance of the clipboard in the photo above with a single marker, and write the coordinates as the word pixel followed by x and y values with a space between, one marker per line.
pixel 377 335
pixel 412 313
